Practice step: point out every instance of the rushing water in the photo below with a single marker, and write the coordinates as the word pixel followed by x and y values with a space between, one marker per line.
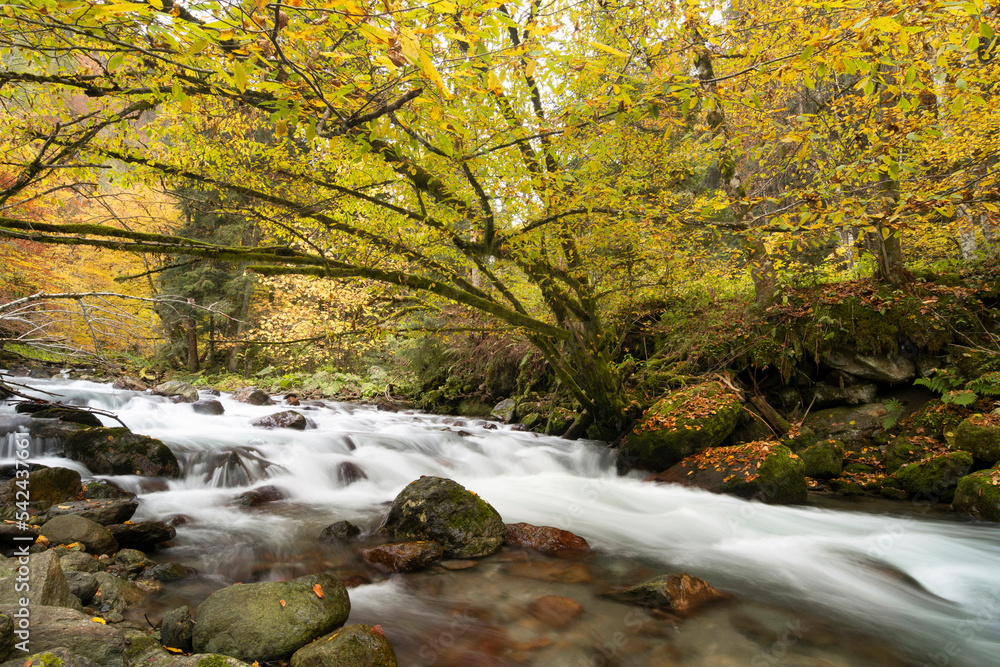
pixel 812 586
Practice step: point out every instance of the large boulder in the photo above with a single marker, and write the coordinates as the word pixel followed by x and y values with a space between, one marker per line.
pixel 56 657
pixel 434 508
pixel 853 425
pixel 118 451
pixel 351 646
pixel 142 535
pixel 47 485
pixel 270 620
pixel 822 395
pixel 54 627
pixel 253 396
pixel 936 476
pixel 69 415
pixel 180 391
pixel 761 470
pixel 46 581
pixel 504 410
pixel 888 369
pixel 905 449
pixel 71 528
pixel 675 592
pixel 980 436
pixel 978 495
pixel 683 423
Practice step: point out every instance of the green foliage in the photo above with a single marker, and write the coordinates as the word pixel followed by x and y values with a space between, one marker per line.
pixel 956 392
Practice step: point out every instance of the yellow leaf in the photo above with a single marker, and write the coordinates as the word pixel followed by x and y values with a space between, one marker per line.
pixel 98 619
pixel 281 128
pixel 173 650
pixel 609 49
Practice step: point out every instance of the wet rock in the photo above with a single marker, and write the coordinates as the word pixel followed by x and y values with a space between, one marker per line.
pixel 889 369
pixel 674 592
pixel 564 573
pixel 287 419
pixel 559 612
pixel 822 395
pixel 936 477
pixel 253 396
pixel 167 572
pixel 46 581
pixel 248 622
pixel 105 490
pixel 240 466
pixel 682 423
pixel 56 657
pixel 342 531
pixel 149 586
pixel 434 508
pixel 765 471
pixel 118 451
pixel 6 637
pixel 130 560
pixel 104 512
pixel 978 495
pixel 177 628
pixel 824 460
pixel 54 627
pixel 504 411
pixel 349 472
pixel 115 593
pixel 175 388
pixel 78 561
pixel 352 646
pixel 851 425
pixel 208 407
pixel 81 584
pixel 9 532
pixel 403 556
pixel 130 383
pixel 70 528
pixel 258 496
pixel 48 485
pixel 902 450
pixel 68 415
pixel 981 438
pixel 543 538
pixel 53 431
pixel 142 535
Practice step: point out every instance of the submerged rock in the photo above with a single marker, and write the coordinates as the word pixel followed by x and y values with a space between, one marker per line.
pixel 352 646
pixel 208 407
pixel 287 419
pixel 118 451
pixel 543 538
pixel 249 621
pixel 559 612
pixel 978 495
pixel 403 556
pixel 258 496
pixel 434 508
pixel 765 471
pixel 349 472
pixel 342 531
pixel 681 424
pixel 675 592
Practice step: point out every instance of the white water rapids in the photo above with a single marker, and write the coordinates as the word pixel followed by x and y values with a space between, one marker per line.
pixel 928 587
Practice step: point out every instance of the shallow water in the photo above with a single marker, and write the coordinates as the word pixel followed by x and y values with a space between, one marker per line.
pixel 811 585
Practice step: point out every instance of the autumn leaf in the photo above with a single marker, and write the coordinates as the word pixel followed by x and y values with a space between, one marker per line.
pixel 98 619
pixel 282 602
pixel 318 590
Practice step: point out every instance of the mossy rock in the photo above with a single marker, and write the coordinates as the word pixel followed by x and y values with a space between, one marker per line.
pixel 434 508
pixel 934 477
pixel 890 488
pixel 824 460
pixel 118 451
pixel 935 419
pixel 683 423
pixel 71 415
pixel 858 469
pixel 352 646
pixel 980 438
pixel 902 450
pixel 56 657
pixel 847 487
pixel 763 470
pixel 800 439
pixel 854 425
pixel 978 495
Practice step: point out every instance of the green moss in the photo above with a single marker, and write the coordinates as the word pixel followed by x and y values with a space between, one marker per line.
pixel 213 661
pixel 824 459
pixel 47 660
pixel 982 441
pixel 978 495
pixel 934 477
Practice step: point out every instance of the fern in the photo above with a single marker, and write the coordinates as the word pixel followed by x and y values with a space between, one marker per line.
pixel 941 382
pixel 949 386
pixel 987 384
pixel 961 397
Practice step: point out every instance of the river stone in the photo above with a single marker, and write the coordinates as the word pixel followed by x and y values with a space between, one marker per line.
pixel 104 512
pixel 253 396
pixel 824 460
pixel 258 496
pixel 675 592
pixel 53 627
pixel 434 508
pixel 81 584
pixel 55 657
pixel 54 430
pixel 142 535
pixel 175 388
pixel 101 489
pixel 77 561
pixel 765 471
pixel 980 439
pixel 543 538
pixel 287 419
pixel 129 383
pixel 978 495
pixel 822 395
pixel 889 369
pixel 70 415
pixel 902 450
pixel 342 531
pixel 116 593
pixel 248 622
pixel 403 556
pixel 349 472
pixel 208 407
pixel 71 528
pixel 680 424
pixel 352 646
pixel 46 582
pixel 6 636
pixel 557 611
pixel 504 410
pixel 171 571
pixel 852 425
pixel 177 628
pixel 53 485
pixel 935 477
pixel 118 451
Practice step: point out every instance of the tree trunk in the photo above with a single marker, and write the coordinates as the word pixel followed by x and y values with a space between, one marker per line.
pixel 233 353
pixel 192 345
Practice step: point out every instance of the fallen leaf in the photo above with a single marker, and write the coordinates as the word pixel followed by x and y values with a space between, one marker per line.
pixel 173 650
pixel 378 630
pixel 63 507
pixel 98 619
pixel 318 590
pixel 282 602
